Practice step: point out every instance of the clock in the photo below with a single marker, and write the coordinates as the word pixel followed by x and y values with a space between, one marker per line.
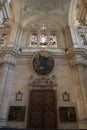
pixel 43 62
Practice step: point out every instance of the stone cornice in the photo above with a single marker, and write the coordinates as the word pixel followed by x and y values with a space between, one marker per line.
pixel 79 64
pixel 77 51
pixel 77 57
pixel 14 52
pixel 59 53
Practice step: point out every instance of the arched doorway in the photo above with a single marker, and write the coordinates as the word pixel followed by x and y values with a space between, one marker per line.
pixel 42 112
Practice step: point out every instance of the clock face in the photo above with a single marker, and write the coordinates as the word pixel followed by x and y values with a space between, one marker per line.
pixel 43 62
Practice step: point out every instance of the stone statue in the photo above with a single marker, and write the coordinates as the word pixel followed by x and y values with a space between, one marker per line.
pixel 84 41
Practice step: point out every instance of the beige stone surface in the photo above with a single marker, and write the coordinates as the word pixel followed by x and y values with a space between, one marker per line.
pixel 63 18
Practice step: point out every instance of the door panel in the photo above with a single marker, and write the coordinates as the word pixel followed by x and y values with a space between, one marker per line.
pixel 42 109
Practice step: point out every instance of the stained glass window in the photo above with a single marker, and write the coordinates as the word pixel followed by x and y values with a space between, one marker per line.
pixel 43 39
pixel 53 41
pixel 34 40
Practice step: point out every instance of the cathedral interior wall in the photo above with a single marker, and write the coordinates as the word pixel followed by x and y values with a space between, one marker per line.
pixel 21 82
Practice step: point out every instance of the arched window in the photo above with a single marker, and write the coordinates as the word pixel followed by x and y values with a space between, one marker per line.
pixel 34 40
pixel 43 40
pixel 53 40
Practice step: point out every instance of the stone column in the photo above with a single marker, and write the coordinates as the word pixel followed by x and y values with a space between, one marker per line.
pixel 82 11
pixel 83 87
pixel 57 36
pixel 8 9
pixel 68 37
pixel 48 39
pixel 27 40
pixel 39 33
pixel 18 36
pixel 3 77
pixel 80 93
pixel 7 83
pixel 13 36
pixel 4 12
pixel 63 39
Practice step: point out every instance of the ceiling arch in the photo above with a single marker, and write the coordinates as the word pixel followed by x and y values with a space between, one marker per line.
pixel 16 11
pixel 49 11
pixel 37 22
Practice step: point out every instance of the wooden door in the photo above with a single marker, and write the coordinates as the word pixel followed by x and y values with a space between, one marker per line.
pixel 42 109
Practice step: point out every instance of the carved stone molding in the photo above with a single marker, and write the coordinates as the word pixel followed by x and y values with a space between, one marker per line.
pixel 42 82
pixel 79 64
pixel 77 57
pixel 78 61
pixel 15 52
pixel 10 63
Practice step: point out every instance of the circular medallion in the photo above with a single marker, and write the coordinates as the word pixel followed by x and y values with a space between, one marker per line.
pixel 43 62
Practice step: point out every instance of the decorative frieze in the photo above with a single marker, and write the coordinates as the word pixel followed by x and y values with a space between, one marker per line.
pixel 42 82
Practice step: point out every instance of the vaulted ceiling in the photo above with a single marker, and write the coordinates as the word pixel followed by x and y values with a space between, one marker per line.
pixel 53 13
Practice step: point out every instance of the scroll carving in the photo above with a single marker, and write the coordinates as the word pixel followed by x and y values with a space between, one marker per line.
pixel 42 81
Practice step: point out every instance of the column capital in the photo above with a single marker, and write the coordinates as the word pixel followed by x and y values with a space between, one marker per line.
pixel 6 62
pixel 77 61
pixel 79 64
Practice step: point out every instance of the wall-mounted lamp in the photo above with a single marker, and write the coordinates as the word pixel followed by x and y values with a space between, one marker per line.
pixel 19 96
pixel 20 49
pixel 66 96
pixel 66 49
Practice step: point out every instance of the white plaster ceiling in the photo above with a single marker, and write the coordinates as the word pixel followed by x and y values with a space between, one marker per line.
pixel 53 13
